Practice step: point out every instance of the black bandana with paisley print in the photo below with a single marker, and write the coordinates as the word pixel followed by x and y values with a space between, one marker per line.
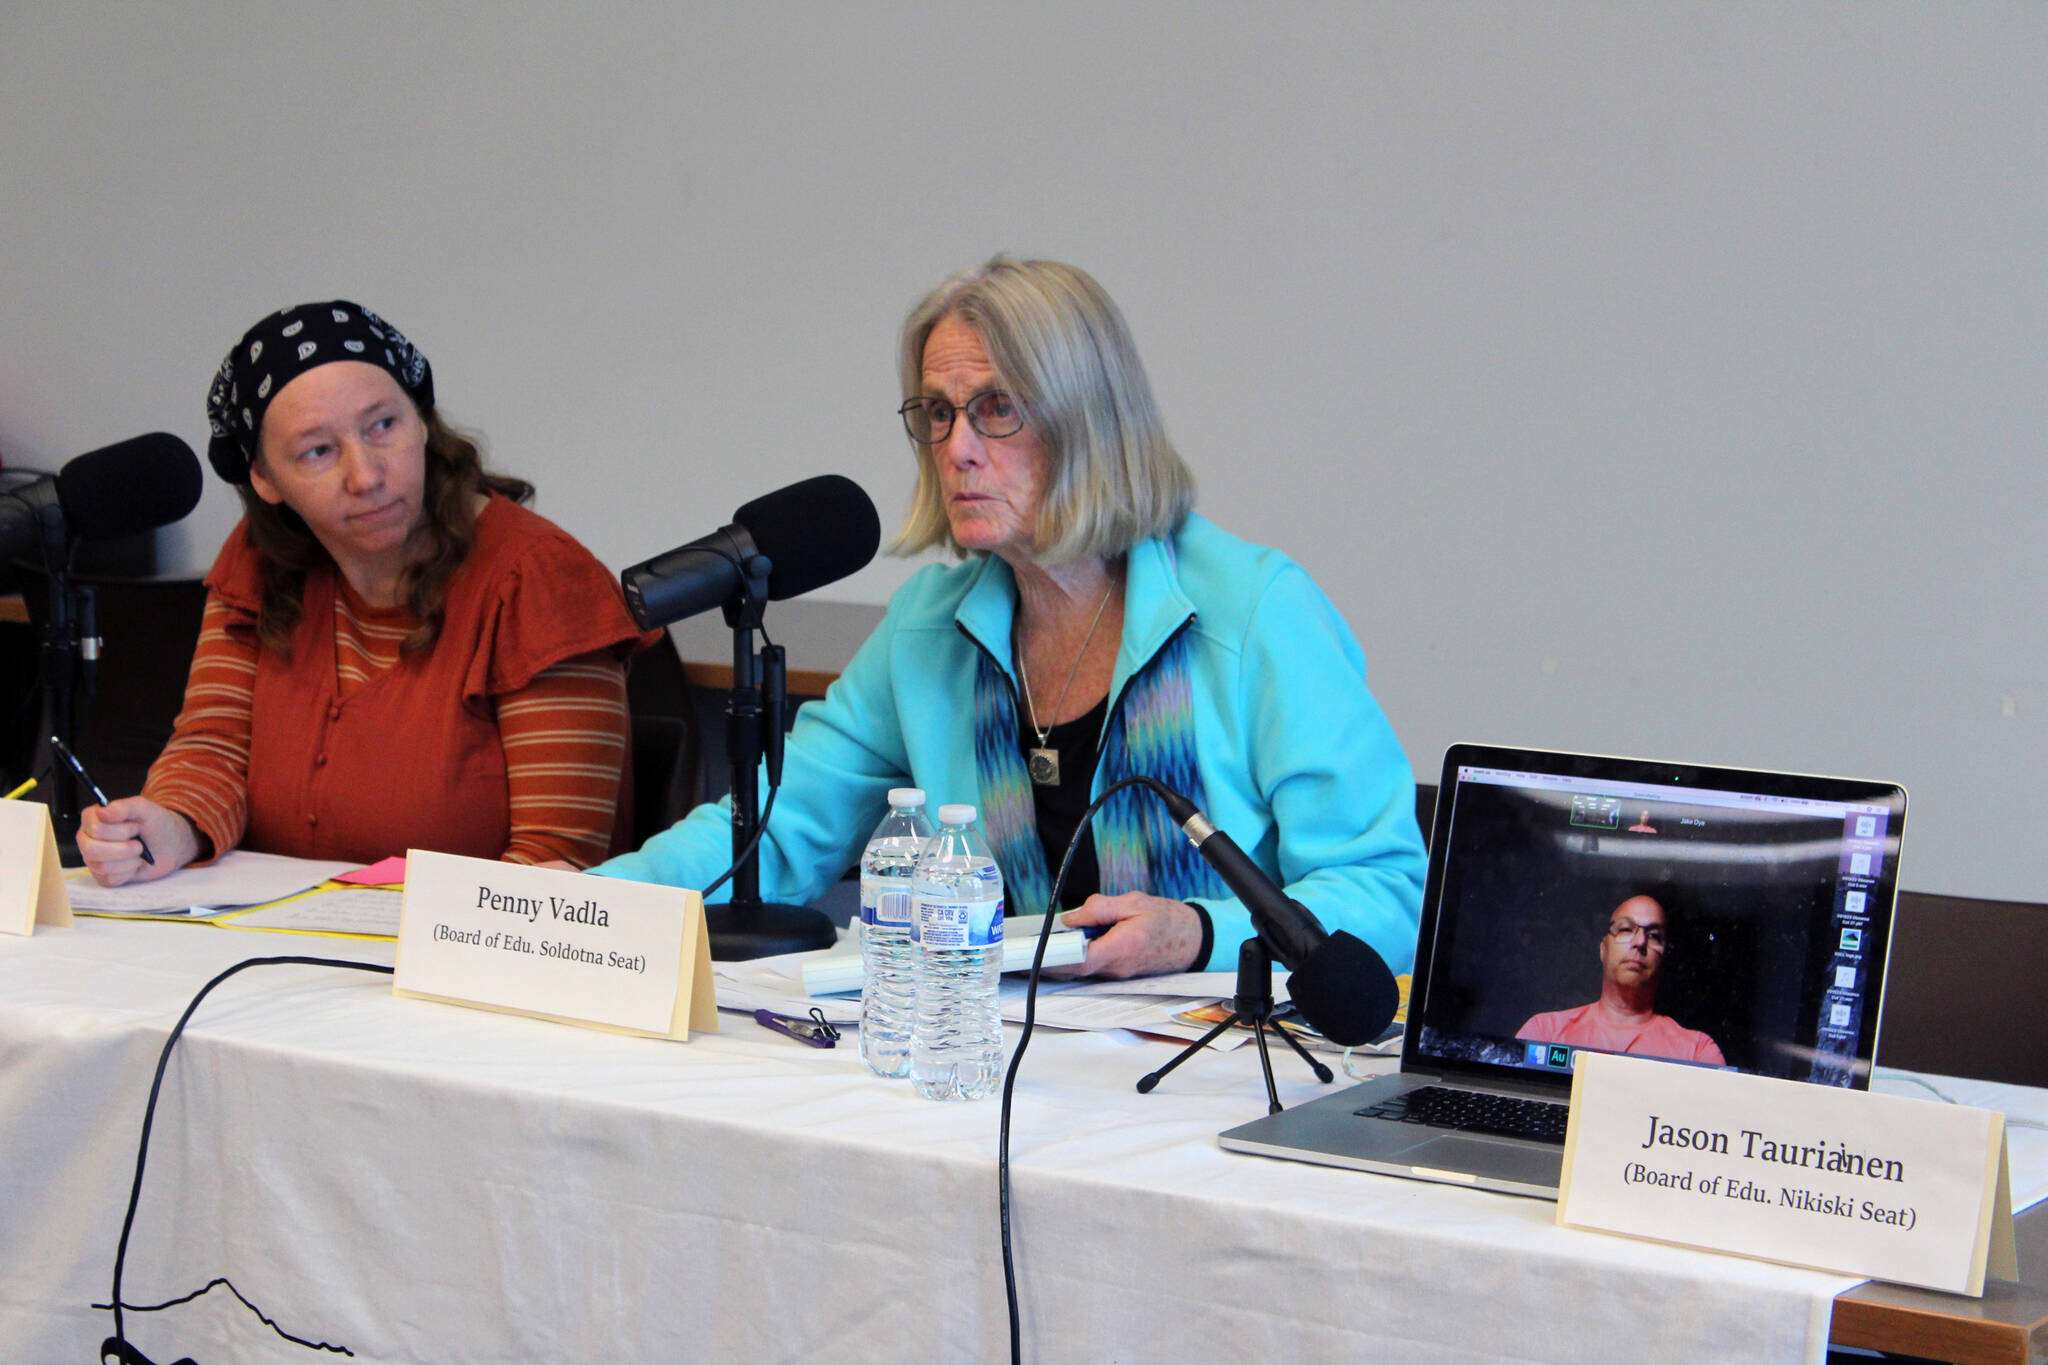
pixel 284 346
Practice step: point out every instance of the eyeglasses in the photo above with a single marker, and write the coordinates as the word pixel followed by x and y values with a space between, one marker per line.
pixel 993 414
pixel 1627 929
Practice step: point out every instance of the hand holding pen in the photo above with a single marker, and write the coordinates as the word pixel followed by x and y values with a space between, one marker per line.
pixel 99 794
pixel 133 839
pixel 110 840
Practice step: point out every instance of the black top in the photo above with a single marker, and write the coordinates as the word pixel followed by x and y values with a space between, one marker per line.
pixel 1079 745
pixel 1078 742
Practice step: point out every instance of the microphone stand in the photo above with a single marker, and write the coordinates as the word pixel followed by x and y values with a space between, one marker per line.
pixel 1254 1002
pixel 70 634
pixel 749 927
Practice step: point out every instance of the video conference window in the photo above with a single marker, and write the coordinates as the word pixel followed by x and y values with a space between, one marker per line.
pixel 1721 935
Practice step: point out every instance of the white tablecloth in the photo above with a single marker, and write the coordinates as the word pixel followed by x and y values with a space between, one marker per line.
pixel 424 1183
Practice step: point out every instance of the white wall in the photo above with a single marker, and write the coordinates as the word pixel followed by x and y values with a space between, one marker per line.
pixel 1659 378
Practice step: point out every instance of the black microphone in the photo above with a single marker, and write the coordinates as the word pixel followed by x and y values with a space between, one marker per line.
pixel 811 533
pixel 1341 986
pixel 130 486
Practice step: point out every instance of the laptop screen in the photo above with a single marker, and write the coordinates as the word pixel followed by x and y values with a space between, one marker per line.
pixel 1699 915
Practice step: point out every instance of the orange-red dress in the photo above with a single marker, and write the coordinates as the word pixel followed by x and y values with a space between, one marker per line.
pixel 507 738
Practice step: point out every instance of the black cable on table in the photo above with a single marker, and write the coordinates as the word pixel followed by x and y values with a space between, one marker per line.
pixel 1030 1022
pixel 118 1344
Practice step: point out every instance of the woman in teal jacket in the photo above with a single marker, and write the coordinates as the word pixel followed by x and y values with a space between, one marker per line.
pixel 1097 628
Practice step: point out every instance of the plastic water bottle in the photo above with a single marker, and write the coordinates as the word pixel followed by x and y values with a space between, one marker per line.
pixel 956 1040
pixel 888 956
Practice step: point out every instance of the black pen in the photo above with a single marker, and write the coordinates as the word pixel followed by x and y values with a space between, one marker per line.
pixel 63 751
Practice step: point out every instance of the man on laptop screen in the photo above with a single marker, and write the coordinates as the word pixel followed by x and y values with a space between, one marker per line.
pixel 1633 952
pixel 1720 915
pixel 1739 917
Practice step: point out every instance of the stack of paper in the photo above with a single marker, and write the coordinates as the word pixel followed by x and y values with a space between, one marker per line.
pixel 837 969
pixel 236 879
pixel 359 911
pixel 787 985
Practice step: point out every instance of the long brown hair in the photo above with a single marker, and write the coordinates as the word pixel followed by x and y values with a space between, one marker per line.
pixel 288 551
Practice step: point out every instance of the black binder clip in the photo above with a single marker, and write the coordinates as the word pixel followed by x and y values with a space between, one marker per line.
pixel 814 1031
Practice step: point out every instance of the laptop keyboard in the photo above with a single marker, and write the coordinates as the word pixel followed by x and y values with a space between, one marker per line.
pixel 1475 1111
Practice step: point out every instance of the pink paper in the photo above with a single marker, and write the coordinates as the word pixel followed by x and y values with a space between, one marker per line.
pixel 389 872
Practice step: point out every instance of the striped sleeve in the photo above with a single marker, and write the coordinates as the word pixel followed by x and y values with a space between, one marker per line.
pixel 203 772
pixel 565 736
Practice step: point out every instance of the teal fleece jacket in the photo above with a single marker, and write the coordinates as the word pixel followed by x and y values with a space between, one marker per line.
pixel 1300 764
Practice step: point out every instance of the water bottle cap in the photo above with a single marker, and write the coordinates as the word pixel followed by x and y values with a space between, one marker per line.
pixel 906 796
pixel 956 815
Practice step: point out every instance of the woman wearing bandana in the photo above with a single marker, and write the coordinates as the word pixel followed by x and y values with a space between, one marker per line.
pixel 395 652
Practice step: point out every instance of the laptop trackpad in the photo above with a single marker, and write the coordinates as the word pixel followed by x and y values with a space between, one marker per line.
pixel 1506 1159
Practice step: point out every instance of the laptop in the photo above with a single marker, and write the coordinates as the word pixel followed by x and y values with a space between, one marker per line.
pixel 1704 916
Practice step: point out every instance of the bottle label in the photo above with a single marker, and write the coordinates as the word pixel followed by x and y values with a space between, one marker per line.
pixel 960 924
pixel 885 905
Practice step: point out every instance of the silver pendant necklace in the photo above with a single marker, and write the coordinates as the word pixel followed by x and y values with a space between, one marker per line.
pixel 1044 761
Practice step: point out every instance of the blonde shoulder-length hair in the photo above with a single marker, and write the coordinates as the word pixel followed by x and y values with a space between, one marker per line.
pixel 1060 347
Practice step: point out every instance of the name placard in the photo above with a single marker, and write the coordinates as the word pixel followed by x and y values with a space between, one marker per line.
pixel 31 878
pixel 566 946
pixel 1906 1190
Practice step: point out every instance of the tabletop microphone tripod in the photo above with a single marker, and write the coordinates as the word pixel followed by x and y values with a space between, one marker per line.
pixel 1254 1005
